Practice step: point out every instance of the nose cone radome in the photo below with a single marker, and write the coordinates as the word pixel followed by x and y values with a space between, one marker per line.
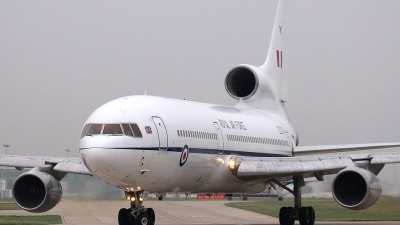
pixel 98 158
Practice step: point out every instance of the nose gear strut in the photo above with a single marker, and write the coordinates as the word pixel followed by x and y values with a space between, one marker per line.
pixel 137 214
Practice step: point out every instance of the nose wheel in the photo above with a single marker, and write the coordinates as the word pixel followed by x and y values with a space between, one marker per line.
pixel 137 214
pixel 288 215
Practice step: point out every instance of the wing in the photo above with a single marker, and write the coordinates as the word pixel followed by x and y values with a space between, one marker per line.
pixel 324 149
pixel 67 165
pixel 286 167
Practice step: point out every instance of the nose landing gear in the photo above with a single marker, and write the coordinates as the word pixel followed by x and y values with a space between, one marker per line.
pixel 137 214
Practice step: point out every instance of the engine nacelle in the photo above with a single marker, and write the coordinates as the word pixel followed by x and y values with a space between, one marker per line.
pixel 241 82
pixel 246 81
pixel 36 191
pixel 356 188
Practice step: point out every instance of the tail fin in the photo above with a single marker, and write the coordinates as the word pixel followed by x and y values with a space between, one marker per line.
pixel 264 87
pixel 274 66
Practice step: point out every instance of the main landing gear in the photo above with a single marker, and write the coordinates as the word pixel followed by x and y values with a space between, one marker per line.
pixel 288 215
pixel 137 214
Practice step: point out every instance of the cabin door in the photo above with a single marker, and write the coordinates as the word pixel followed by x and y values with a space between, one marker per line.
pixel 220 138
pixel 162 132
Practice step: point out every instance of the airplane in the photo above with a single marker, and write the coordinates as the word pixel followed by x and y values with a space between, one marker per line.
pixel 144 144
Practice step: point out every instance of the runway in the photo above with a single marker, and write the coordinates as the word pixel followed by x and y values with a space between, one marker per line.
pixel 167 212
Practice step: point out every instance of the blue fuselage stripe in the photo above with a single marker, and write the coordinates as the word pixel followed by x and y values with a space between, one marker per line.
pixel 203 151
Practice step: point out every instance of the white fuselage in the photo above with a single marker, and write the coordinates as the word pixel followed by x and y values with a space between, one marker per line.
pixel 159 161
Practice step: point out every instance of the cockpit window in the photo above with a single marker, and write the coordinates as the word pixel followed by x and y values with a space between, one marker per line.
pixel 127 129
pixel 131 130
pixel 95 129
pixel 136 130
pixel 112 129
pixel 85 129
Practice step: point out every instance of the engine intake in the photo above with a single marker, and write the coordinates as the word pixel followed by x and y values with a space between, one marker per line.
pixel 356 188
pixel 36 191
pixel 241 82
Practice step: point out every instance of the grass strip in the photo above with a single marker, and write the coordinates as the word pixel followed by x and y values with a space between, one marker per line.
pixel 25 220
pixel 386 209
pixel 9 206
pixel 6 200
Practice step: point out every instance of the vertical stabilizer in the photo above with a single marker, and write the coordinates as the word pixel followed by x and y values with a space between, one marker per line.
pixel 275 66
pixel 264 87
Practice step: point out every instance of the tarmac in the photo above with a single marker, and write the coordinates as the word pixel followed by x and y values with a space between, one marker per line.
pixel 205 212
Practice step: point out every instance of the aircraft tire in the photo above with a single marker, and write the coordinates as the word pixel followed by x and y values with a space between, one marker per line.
pixel 131 220
pixel 304 216
pixel 143 219
pixel 285 216
pixel 291 218
pixel 152 216
pixel 311 212
pixel 123 216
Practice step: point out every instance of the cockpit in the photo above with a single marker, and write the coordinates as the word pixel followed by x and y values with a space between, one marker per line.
pixel 126 129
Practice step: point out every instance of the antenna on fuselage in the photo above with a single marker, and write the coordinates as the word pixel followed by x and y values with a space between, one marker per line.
pixel 145 91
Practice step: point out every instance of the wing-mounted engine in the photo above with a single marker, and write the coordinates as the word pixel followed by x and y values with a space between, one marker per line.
pixel 36 191
pixel 250 84
pixel 356 188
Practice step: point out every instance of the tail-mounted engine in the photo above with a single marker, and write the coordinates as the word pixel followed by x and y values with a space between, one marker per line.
pixel 241 82
pixel 356 188
pixel 36 191
pixel 246 82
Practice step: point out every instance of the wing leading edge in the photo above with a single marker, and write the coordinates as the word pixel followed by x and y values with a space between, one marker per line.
pixel 67 165
pixel 325 149
pixel 287 167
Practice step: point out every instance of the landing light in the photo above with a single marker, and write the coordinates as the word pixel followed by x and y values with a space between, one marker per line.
pixel 231 164
pixel 219 160
pixel 132 199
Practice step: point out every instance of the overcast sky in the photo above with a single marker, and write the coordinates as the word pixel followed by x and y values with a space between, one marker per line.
pixel 60 60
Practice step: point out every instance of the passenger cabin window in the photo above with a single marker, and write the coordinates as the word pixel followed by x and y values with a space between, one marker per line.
pixel 95 129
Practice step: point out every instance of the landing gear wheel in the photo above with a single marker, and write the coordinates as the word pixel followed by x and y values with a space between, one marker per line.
pixel 311 212
pixel 123 216
pixel 152 216
pixel 291 215
pixel 285 216
pixel 160 198
pixel 131 220
pixel 143 219
pixel 304 216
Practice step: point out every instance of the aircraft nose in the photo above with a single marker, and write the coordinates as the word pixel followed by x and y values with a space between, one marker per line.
pixel 98 158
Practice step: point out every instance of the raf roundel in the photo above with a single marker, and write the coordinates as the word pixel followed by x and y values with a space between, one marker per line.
pixel 184 155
